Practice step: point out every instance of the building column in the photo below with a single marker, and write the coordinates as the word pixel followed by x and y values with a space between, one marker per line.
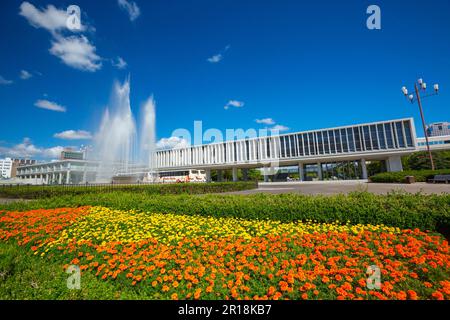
pixel 266 174
pixel 60 178
pixel 364 168
pixel 208 175
pixel 85 174
pixel 68 177
pixel 245 174
pixel 235 174
pixel 219 175
pixel 394 164
pixel 301 172
pixel 319 171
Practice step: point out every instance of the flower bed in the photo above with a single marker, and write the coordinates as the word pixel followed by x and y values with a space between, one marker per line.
pixel 194 257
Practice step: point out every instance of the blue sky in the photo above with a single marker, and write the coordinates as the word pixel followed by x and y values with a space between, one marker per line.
pixel 305 65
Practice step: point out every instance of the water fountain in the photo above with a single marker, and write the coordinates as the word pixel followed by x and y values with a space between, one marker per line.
pixel 115 144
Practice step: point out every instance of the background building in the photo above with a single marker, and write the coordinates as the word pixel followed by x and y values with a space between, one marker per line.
pixel 18 163
pixel 69 154
pixel 436 143
pixel 5 168
pixel 438 129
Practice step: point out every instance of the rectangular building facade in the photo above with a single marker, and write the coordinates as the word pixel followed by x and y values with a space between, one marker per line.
pixel 371 140
pixel 438 129
pixel 5 168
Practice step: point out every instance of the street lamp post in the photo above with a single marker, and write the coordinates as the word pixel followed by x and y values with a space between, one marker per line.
pixel 417 86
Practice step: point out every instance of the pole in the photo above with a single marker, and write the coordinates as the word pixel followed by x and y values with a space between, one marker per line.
pixel 419 102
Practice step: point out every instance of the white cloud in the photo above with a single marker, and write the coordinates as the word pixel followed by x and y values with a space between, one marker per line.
pixel 119 63
pixel 215 58
pixel 50 18
pixel 218 57
pixel 268 121
pixel 172 143
pixel 76 52
pixel 234 103
pixel 27 149
pixel 4 81
pixel 131 8
pixel 279 128
pixel 73 135
pixel 24 75
pixel 45 104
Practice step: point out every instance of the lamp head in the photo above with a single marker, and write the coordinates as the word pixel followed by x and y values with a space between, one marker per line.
pixel 405 91
pixel 420 81
pixel 436 87
pixel 411 98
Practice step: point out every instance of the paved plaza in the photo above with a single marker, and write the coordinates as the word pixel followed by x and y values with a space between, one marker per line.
pixel 335 187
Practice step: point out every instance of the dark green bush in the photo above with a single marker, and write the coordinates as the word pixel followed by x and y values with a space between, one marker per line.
pixel 403 210
pixel 36 192
pixel 400 177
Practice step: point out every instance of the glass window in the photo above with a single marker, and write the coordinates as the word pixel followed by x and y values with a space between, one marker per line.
pixel 247 146
pixel 337 134
pixel 300 144
pixel 366 136
pixel 381 136
pixel 293 149
pixel 373 133
pixel 319 138
pixel 332 141
pixel 389 136
pixel 351 140
pixel 357 138
pixel 282 147
pixel 398 126
pixel 408 135
pixel 326 143
pixel 344 140
pixel 311 143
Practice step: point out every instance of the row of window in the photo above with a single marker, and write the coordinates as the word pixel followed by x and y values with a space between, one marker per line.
pixel 372 137
pixel 422 144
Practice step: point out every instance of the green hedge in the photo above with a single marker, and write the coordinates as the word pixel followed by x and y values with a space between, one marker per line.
pixel 36 192
pixel 403 210
pixel 400 177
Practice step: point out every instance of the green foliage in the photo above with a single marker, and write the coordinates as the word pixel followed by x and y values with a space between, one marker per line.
pixel 35 192
pixel 400 177
pixel 403 210
pixel 25 276
pixel 420 160
pixel 375 167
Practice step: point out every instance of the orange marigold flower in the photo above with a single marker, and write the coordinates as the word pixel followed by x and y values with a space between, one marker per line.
pixel 438 295
pixel 412 295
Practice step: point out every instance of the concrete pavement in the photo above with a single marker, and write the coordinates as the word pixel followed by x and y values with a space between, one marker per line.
pixel 335 187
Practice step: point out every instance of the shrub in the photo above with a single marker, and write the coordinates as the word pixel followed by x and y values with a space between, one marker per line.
pixel 44 191
pixel 403 210
pixel 400 177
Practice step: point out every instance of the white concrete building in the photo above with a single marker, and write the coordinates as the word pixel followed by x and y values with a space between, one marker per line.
pixel 318 150
pixel 58 172
pixel 436 143
pixel 5 168
pixel 438 129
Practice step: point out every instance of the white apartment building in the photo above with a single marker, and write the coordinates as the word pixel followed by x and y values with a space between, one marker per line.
pixel 5 168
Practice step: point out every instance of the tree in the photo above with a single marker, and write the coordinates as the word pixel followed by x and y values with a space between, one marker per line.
pixel 421 161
